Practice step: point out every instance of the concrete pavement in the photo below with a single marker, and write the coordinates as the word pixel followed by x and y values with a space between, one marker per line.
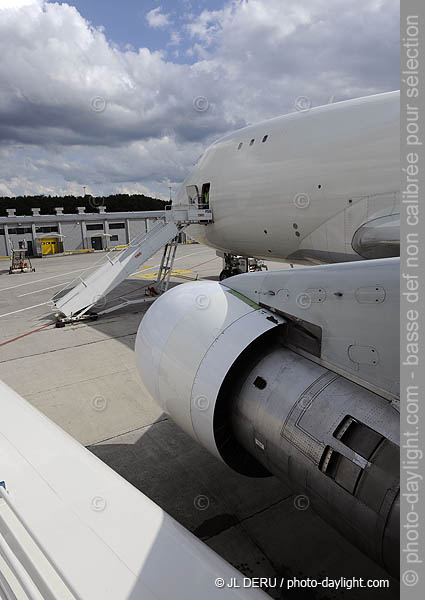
pixel 84 377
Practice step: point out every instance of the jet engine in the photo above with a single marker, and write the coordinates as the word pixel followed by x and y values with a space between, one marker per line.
pixel 251 385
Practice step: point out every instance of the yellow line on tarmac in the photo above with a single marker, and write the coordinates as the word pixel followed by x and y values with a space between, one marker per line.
pixel 174 273
pixel 188 278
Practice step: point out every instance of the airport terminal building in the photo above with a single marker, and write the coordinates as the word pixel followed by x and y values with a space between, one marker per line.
pixel 81 232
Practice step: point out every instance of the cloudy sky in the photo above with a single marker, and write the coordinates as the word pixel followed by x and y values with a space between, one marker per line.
pixel 123 96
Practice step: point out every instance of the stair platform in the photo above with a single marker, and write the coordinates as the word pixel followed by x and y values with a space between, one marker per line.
pixel 90 291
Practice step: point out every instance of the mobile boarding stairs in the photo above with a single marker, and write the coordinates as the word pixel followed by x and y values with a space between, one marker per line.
pixel 91 290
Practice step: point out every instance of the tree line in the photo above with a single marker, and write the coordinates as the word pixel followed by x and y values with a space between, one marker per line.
pixel 113 203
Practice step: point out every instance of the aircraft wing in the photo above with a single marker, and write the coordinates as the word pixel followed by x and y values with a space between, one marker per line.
pixel 71 528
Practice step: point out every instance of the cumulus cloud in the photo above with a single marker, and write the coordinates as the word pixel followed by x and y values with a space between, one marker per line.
pixel 273 52
pixel 11 4
pixel 75 109
pixel 157 19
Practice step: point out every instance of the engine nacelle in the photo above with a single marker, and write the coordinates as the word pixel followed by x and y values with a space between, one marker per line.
pixel 216 362
pixel 185 346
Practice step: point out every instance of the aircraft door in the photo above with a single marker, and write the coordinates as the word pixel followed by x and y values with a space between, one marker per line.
pixel 205 195
pixel 192 194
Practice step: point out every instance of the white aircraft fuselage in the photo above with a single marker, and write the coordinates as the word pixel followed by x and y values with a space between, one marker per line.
pixel 299 186
pixel 294 372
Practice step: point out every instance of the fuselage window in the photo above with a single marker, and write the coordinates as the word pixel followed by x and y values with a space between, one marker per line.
pixel 240 145
pixel 251 142
pixel 265 138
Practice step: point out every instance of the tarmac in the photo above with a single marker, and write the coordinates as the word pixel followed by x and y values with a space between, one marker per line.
pixel 84 378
